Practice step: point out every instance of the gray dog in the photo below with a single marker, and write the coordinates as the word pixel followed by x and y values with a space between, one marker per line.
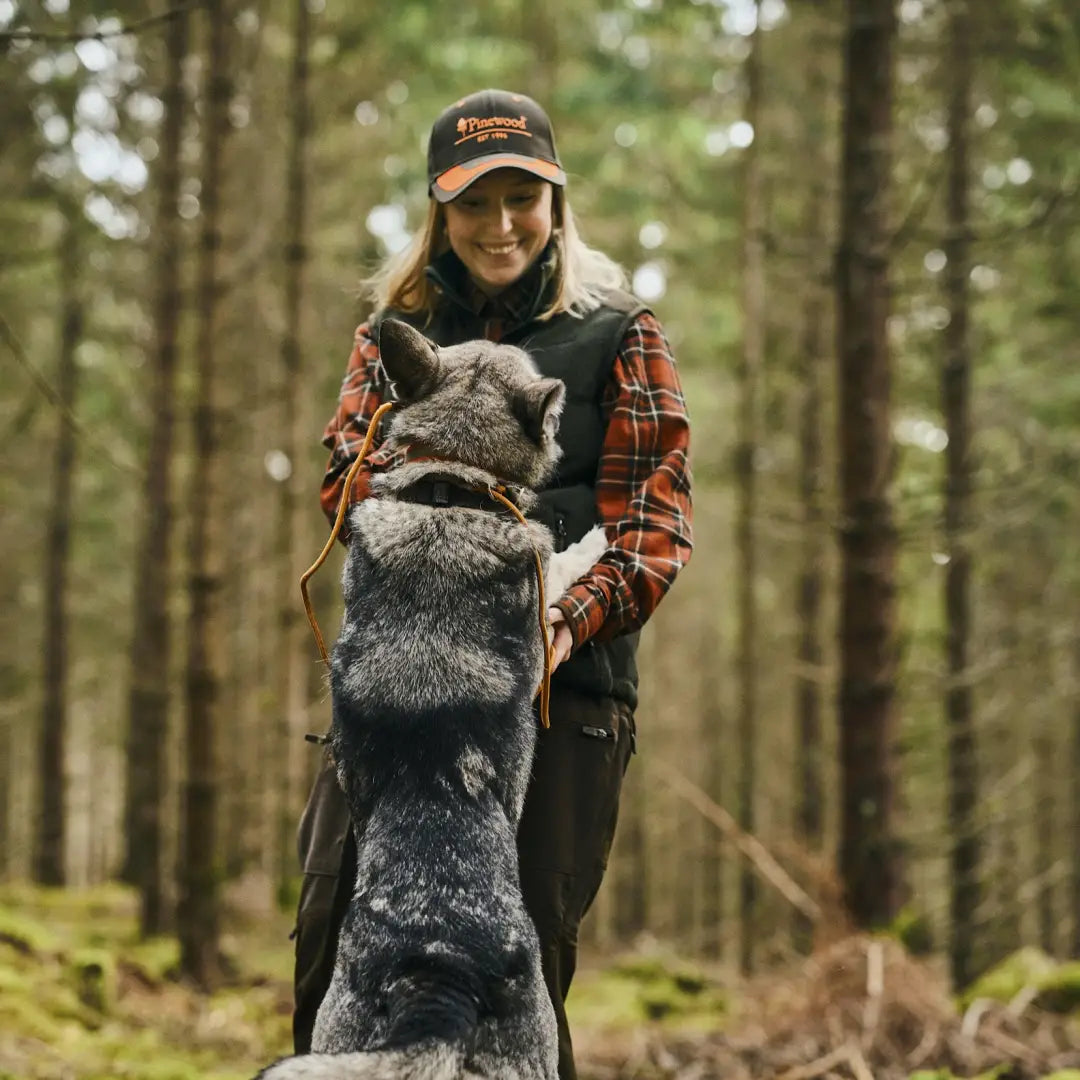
pixel 433 678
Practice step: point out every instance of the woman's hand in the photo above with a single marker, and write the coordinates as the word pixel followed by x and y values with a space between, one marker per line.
pixel 562 640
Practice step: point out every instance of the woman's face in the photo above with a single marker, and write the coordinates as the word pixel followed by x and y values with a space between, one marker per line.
pixel 499 225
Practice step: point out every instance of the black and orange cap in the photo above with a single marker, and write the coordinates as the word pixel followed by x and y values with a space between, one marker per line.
pixel 491 129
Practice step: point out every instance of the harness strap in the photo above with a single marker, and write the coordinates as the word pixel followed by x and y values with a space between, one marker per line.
pixel 446 493
pixel 545 683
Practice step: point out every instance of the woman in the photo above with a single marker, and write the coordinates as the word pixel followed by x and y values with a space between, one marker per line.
pixel 500 257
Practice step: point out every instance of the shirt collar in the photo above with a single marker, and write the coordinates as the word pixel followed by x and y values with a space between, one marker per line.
pixel 514 306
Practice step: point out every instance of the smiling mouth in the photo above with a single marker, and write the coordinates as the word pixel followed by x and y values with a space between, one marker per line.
pixel 498 249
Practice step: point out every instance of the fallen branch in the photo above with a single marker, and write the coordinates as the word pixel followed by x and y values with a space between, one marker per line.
pixel 858 1064
pixel 875 987
pixel 817 1068
pixel 1013 1048
pixel 748 845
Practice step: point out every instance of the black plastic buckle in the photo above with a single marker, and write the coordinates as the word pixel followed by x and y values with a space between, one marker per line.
pixel 596 732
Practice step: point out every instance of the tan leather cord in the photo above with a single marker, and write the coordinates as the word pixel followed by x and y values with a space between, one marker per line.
pixel 343 506
pixel 495 493
pixel 545 684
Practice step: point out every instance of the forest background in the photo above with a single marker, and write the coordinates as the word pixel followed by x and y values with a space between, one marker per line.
pixel 861 701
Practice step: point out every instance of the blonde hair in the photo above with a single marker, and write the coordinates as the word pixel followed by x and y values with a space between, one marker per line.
pixel 582 274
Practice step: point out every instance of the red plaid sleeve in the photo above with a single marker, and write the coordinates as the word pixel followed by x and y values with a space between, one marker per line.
pixel 361 395
pixel 642 491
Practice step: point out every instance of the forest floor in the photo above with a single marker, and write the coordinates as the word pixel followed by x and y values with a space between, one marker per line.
pixel 82 999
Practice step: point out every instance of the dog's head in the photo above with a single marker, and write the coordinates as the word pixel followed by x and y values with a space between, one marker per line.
pixel 479 403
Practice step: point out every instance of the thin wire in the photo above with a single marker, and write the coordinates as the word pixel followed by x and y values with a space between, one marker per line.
pixel 26 34
pixel 69 417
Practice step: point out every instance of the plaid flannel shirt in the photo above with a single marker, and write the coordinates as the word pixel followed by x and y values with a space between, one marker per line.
pixel 642 484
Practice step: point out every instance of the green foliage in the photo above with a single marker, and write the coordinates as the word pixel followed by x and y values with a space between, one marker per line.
pixel 1059 990
pixel 1025 967
pixel 913 930
pixel 24 934
pixel 93 973
pixel 647 988
pixel 107 1012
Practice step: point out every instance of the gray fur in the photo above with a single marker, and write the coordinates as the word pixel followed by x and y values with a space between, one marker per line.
pixel 433 677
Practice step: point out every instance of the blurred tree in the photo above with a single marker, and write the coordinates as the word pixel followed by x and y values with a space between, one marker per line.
pixel 813 350
pixel 148 704
pixel 956 406
pixel 199 912
pixel 292 537
pixel 870 861
pixel 748 378
pixel 711 738
pixel 49 852
pixel 1074 804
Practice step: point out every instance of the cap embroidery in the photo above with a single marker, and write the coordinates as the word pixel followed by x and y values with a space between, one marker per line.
pixel 480 127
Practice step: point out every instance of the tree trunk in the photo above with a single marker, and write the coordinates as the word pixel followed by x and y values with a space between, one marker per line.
pixel 12 688
pixel 1074 791
pixel 870 855
pixel 749 375
pixel 199 909
pixel 1007 756
pixel 809 752
pixel 964 888
pixel 713 746
pixel 291 538
pixel 7 776
pixel 150 648
pixel 1047 813
pixel 49 847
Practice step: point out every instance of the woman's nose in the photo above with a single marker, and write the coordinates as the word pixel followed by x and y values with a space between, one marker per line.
pixel 503 220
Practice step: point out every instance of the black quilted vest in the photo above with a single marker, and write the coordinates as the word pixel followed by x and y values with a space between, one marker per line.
pixel 581 352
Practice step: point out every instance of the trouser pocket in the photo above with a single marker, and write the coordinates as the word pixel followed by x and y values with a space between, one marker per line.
pixel 572 800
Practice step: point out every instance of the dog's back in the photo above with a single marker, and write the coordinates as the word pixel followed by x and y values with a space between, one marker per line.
pixel 433 676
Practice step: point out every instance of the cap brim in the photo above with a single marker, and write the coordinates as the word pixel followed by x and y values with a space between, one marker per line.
pixel 453 182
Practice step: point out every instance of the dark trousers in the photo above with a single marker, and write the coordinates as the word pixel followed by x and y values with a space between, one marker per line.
pixel 564 839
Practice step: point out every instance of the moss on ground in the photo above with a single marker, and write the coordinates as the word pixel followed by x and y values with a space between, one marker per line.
pixel 1023 968
pixel 82 999
pixel 1054 987
pixel 647 988
pixel 1059 990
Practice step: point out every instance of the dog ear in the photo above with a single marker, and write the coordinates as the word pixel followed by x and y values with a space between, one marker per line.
pixel 538 407
pixel 409 359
